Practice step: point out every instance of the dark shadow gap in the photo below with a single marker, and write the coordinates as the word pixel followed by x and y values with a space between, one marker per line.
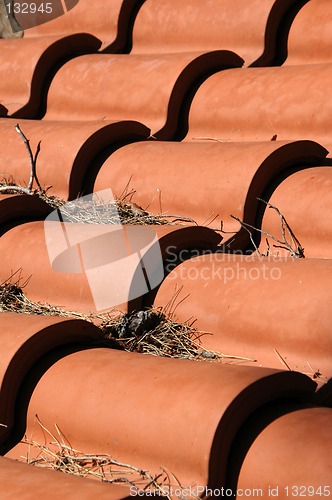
pixel 277 32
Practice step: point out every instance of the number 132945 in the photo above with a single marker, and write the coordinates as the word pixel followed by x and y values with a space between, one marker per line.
pixel 29 8
pixel 307 491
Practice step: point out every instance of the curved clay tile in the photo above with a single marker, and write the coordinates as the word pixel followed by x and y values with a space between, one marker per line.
pixel 275 456
pixel 304 198
pixel 24 481
pixel 27 65
pixel 67 150
pixel 253 307
pixel 25 339
pixel 313 21
pixel 154 89
pixel 251 29
pixel 24 247
pixel 188 412
pixel 255 104
pixel 102 21
pixel 175 242
pixel 204 195
pixel 67 286
pixel 17 209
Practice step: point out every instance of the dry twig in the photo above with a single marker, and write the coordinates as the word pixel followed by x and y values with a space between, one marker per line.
pixel 32 158
pixel 127 212
pixel 293 246
pixel 57 454
pixel 13 188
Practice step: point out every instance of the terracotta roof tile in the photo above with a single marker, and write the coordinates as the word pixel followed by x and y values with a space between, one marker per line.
pixel 28 66
pixel 101 21
pixel 220 398
pixel 110 21
pixel 310 34
pixel 296 433
pixel 252 30
pixel 71 290
pixel 16 209
pixel 25 340
pixel 33 482
pixel 256 104
pixel 68 150
pixel 155 89
pixel 202 195
pixel 111 91
pixel 263 305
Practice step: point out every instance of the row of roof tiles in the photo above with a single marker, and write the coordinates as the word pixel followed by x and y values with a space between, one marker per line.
pixel 269 170
pixel 176 413
pixel 161 91
pixel 255 38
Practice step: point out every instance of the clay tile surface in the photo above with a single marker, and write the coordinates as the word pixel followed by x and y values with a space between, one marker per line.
pixel 296 433
pixel 63 164
pixel 256 104
pixel 314 19
pixel 70 288
pixel 25 340
pixel 31 482
pixel 199 112
pixel 102 21
pixel 236 286
pixel 29 64
pixel 154 89
pixel 236 393
pixel 250 29
pixel 200 196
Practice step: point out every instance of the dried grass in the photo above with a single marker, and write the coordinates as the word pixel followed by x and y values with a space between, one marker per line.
pixel 82 211
pixel 8 186
pixel 165 338
pixel 101 212
pixel 153 331
pixel 97 211
pixel 13 299
pixel 6 182
pixel 54 202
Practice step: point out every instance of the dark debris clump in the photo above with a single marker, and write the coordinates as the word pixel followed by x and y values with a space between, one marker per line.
pixel 153 332
pixel 11 297
pixel 137 323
